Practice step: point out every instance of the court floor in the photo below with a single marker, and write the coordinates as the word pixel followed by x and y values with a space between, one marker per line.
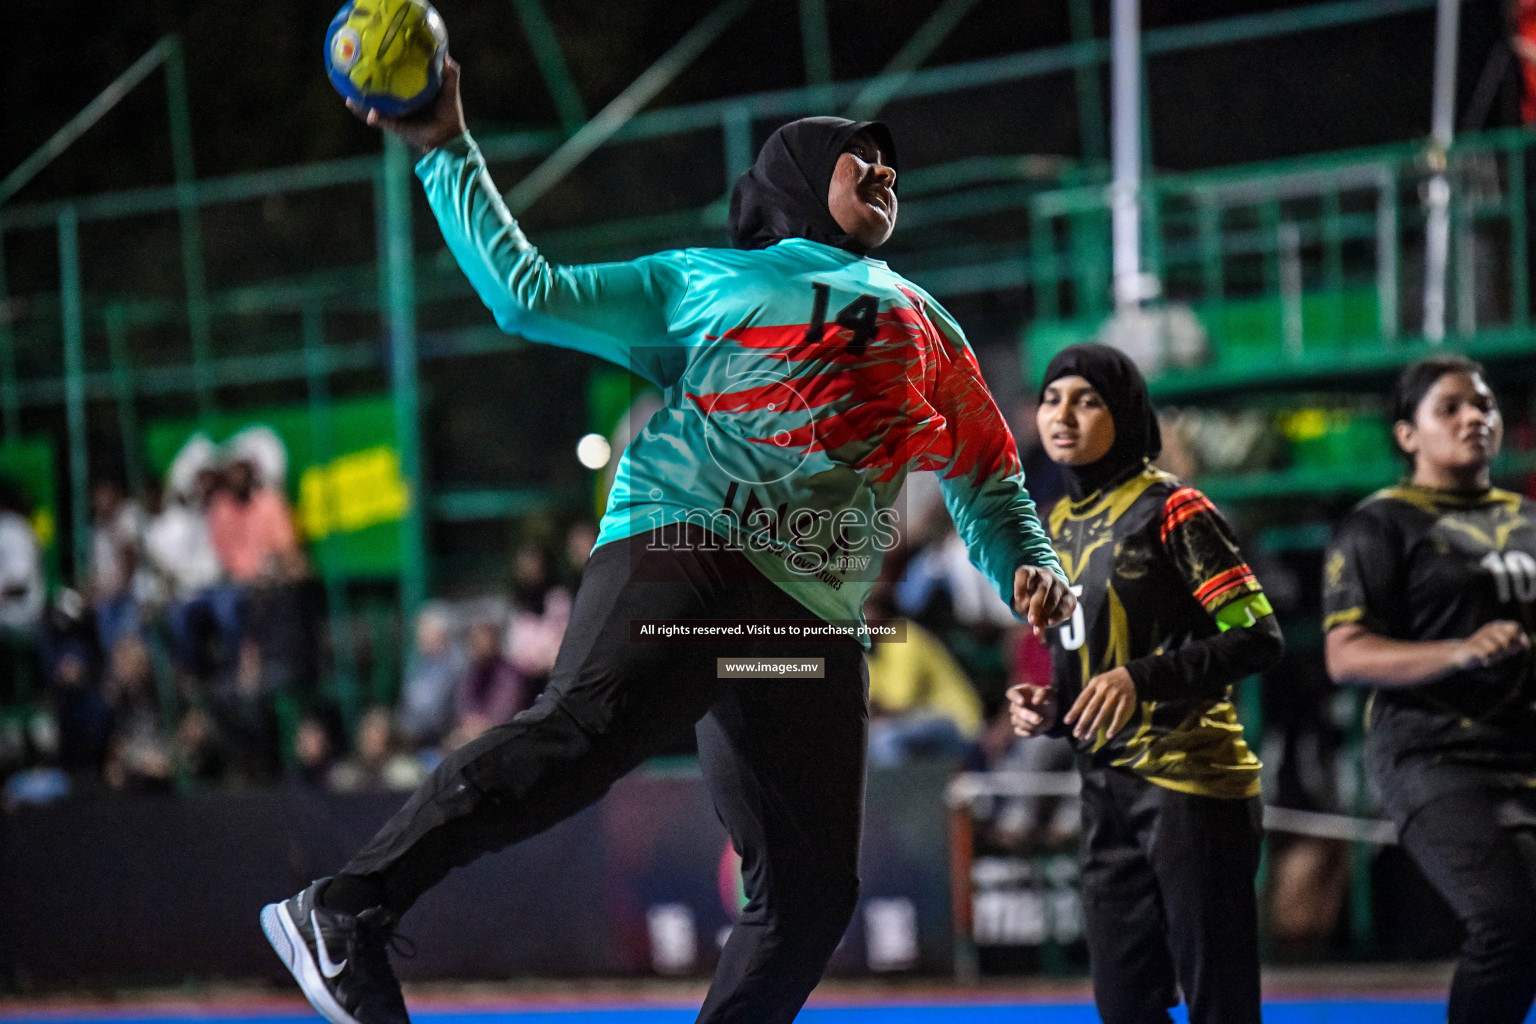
pixel 1404 1009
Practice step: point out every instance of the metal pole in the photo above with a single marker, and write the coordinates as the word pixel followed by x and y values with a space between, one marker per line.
pixel 193 270
pixel 736 127
pixel 72 309
pixel 1463 225
pixel 1437 229
pixel 1386 254
pixel 397 243
pixel 557 76
pixel 816 44
pixel 624 106
pixel 1288 243
pixel 77 126
pixel 323 445
pixel 1519 289
pixel 1090 97
pixel 10 397
pixel 1125 57
pixel 122 386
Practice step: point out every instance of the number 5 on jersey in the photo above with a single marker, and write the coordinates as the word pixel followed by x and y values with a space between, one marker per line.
pixel 1075 632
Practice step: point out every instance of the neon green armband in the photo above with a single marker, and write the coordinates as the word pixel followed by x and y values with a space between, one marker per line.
pixel 1243 612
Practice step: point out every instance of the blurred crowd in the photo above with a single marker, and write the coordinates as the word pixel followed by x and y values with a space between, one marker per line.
pixel 190 614
pixel 195 652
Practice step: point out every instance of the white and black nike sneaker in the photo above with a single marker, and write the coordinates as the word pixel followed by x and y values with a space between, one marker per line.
pixel 341 961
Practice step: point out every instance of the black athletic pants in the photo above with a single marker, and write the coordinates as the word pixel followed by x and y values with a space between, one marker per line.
pixel 783 759
pixel 1168 897
pixel 1479 850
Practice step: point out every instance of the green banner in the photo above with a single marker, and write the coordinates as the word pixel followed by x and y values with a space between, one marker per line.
pixel 27 464
pixel 343 475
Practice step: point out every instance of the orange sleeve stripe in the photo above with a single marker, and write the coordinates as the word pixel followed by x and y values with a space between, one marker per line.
pixel 1219 584
pixel 1246 584
pixel 1181 504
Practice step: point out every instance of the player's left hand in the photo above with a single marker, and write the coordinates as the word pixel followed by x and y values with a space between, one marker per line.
pixel 1041 597
pixel 1106 702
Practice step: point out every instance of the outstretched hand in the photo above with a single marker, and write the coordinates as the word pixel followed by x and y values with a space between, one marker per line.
pixel 439 122
pixel 1041 597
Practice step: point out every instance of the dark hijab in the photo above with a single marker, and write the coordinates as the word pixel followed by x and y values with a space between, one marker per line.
pixel 1124 391
pixel 784 195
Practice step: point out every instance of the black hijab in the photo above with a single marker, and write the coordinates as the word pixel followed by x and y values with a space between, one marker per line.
pixel 784 195
pixel 1124 391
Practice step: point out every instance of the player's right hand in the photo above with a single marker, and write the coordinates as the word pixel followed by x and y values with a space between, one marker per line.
pixel 1495 642
pixel 1032 709
pixel 435 124
pixel 1041 597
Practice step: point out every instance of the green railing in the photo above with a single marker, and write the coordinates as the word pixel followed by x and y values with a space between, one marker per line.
pixel 1297 271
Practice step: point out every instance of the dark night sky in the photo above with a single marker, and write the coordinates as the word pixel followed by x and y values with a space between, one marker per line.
pixel 260 100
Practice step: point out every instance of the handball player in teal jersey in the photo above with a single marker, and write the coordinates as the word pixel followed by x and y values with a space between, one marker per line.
pixel 802 381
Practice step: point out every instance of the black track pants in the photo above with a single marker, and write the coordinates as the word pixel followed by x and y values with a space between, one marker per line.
pixel 1168 896
pixel 1486 870
pixel 783 759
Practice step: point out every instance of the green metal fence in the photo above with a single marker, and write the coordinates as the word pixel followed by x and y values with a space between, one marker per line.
pixel 1305 269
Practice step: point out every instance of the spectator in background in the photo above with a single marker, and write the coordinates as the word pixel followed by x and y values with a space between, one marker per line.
pixel 428 701
pixel 377 764
pixel 580 539
pixel 139 752
pixel 541 609
pixel 77 722
pixel 492 691
pixel 116 538
pixel 1029 822
pixel 249 521
pixel 178 548
pixel 244 709
pixel 21 596
pixel 313 754
pixel 252 529
pixel 1013 823
pixel 83 719
pixel 199 751
pixel 941 584
pixel 921 705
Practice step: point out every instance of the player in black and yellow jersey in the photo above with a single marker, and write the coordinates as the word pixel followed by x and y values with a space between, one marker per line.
pixel 1169 616
pixel 1430 596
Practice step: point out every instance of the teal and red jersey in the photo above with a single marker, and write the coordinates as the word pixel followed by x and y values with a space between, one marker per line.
pixel 800 384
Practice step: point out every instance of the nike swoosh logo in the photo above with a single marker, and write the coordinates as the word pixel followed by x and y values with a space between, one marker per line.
pixel 327 968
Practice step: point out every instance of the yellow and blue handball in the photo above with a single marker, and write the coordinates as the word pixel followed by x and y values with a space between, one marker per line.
pixel 387 55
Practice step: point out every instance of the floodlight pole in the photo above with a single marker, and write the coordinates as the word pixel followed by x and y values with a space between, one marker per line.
pixel 1437 229
pixel 1124 190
